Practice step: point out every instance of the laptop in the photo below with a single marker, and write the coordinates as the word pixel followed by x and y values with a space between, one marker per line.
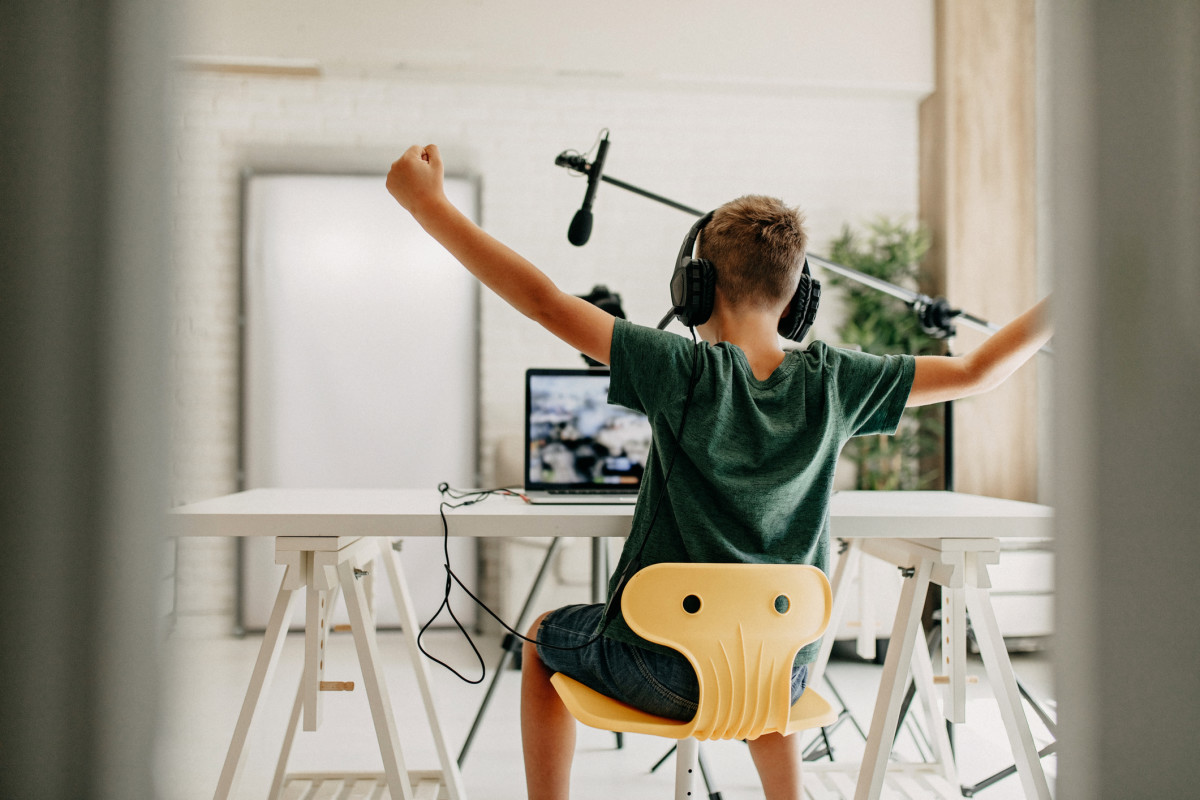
pixel 578 447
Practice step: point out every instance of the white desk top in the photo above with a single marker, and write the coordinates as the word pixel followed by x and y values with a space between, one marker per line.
pixel 414 512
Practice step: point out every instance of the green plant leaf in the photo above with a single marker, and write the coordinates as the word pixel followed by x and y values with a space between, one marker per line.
pixel 883 325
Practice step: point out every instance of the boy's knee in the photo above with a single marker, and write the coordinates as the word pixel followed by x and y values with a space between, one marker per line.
pixel 530 649
pixel 537 624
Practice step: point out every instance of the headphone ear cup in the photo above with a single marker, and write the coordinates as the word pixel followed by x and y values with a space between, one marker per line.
pixel 789 323
pixel 706 291
pixel 802 311
pixel 693 289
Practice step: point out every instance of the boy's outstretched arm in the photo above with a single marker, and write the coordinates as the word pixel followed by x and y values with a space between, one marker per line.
pixel 416 181
pixel 941 378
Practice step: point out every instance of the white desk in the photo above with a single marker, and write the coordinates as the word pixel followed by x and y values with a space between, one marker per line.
pixel 936 537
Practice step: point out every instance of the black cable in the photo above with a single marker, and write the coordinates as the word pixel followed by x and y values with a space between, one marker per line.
pixel 469 498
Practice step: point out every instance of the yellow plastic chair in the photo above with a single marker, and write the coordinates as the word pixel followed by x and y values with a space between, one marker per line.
pixel 740 626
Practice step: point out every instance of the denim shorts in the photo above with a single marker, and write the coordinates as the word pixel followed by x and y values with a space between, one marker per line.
pixel 663 684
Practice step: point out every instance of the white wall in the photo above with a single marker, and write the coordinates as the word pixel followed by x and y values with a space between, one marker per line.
pixel 854 43
pixel 844 156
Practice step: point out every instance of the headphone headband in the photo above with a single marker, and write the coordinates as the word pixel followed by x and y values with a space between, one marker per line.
pixel 693 290
pixel 687 249
pixel 693 283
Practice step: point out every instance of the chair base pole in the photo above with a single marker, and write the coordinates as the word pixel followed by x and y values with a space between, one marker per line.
pixel 685 767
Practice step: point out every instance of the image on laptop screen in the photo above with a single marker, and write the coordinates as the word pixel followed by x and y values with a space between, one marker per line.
pixel 575 441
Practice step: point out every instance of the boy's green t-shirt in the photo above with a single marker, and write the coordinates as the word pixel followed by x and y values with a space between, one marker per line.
pixel 753 477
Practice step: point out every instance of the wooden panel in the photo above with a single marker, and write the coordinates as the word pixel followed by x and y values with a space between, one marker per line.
pixel 978 196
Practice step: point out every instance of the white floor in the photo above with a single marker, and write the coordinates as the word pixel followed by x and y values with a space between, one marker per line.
pixel 206 680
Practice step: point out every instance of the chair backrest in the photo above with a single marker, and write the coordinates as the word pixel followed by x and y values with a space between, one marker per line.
pixel 741 626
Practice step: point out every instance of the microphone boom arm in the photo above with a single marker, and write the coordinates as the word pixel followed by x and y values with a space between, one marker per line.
pixel 664 200
pixel 577 163
pixel 937 314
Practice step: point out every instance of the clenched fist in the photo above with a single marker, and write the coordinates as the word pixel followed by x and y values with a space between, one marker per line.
pixel 415 179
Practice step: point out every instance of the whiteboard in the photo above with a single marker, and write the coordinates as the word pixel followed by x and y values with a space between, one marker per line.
pixel 360 362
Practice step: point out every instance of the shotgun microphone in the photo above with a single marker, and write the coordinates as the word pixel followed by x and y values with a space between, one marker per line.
pixel 581 224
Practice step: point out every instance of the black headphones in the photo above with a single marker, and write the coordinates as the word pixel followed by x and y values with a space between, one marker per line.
pixel 693 288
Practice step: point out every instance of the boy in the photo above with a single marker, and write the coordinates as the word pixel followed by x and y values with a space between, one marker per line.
pixel 743 474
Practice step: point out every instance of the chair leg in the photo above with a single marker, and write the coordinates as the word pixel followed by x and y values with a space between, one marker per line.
pixel 685 767
pixel 706 775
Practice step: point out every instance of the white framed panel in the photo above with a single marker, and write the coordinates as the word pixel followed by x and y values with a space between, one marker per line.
pixel 360 361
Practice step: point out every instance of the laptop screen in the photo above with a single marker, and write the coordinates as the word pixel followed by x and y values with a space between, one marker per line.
pixel 576 440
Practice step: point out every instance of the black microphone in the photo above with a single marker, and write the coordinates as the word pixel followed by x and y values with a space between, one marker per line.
pixel 581 224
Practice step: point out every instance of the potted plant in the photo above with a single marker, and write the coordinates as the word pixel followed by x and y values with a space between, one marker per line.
pixel 884 325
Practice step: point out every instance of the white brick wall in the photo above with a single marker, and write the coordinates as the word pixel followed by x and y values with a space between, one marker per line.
pixel 842 157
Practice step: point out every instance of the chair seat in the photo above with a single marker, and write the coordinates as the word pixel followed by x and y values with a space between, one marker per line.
pixel 600 711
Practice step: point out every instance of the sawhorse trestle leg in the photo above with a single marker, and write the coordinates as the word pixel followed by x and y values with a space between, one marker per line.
pixel 326 569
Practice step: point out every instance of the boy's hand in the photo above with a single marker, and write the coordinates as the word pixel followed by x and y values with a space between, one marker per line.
pixel 939 378
pixel 415 179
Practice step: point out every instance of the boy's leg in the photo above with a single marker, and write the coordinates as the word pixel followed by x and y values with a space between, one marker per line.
pixel 547 728
pixel 777 759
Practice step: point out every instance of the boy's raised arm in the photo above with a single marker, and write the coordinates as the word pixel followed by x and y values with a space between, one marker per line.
pixel 941 378
pixel 416 182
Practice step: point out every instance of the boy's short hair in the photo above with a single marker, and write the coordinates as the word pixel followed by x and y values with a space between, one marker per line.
pixel 756 245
